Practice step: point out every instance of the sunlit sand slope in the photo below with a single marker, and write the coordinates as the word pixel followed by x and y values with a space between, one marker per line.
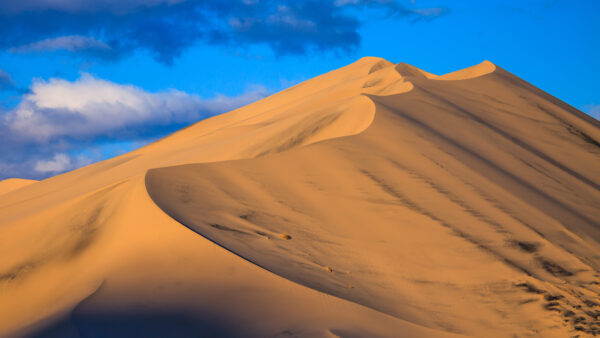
pixel 87 253
pixel 468 206
pixel 374 200
pixel 13 184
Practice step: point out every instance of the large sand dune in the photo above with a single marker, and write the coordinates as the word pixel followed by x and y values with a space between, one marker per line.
pixel 374 200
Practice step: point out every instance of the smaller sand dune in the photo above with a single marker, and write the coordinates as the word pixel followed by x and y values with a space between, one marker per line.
pixel 481 69
pixel 11 184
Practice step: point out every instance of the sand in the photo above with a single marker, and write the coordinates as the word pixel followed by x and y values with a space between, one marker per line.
pixel 11 184
pixel 374 200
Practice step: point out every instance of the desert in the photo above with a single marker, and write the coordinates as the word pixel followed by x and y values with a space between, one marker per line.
pixel 375 200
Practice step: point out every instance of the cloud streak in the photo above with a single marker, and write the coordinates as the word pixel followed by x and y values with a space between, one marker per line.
pixel 72 43
pixel 165 28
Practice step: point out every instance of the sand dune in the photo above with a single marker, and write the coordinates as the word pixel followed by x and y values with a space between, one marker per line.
pixel 374 200
pixel 481 69
pixel 11 184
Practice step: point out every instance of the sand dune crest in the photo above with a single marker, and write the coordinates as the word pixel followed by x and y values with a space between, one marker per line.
pixel 486 67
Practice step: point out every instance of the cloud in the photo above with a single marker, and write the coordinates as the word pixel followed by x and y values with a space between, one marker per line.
pixel 58 119
pixel 593 110
pixel 72 43
pixel 80 6
pixel 395 9
pixel 89 108
pixel 6 82
pixel 59 163
pixel 429 14
pixel 165 28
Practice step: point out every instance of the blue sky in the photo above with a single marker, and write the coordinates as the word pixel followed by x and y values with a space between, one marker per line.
pixel 85 80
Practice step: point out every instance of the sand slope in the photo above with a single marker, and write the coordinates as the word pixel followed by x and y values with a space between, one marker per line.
pixel 374 200
pixel 11 184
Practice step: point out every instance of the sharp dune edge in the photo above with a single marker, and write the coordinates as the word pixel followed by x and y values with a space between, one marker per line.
pixel 374 200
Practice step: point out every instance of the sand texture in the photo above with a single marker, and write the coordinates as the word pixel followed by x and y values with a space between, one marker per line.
pixel 376 200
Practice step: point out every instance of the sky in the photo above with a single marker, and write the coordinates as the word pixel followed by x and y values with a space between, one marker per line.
pixel 86 80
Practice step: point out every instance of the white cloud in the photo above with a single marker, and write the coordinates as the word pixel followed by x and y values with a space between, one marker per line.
pixel 60 162
pixel 72 43
pixel 90 107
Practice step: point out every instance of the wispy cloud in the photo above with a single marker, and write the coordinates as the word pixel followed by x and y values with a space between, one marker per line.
pixel 81 6
pixel 59 117
pixel 6 82
pixel 593 110
pixel 165 28
pixel 60 163
pixel 399 10
pixel 72 43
